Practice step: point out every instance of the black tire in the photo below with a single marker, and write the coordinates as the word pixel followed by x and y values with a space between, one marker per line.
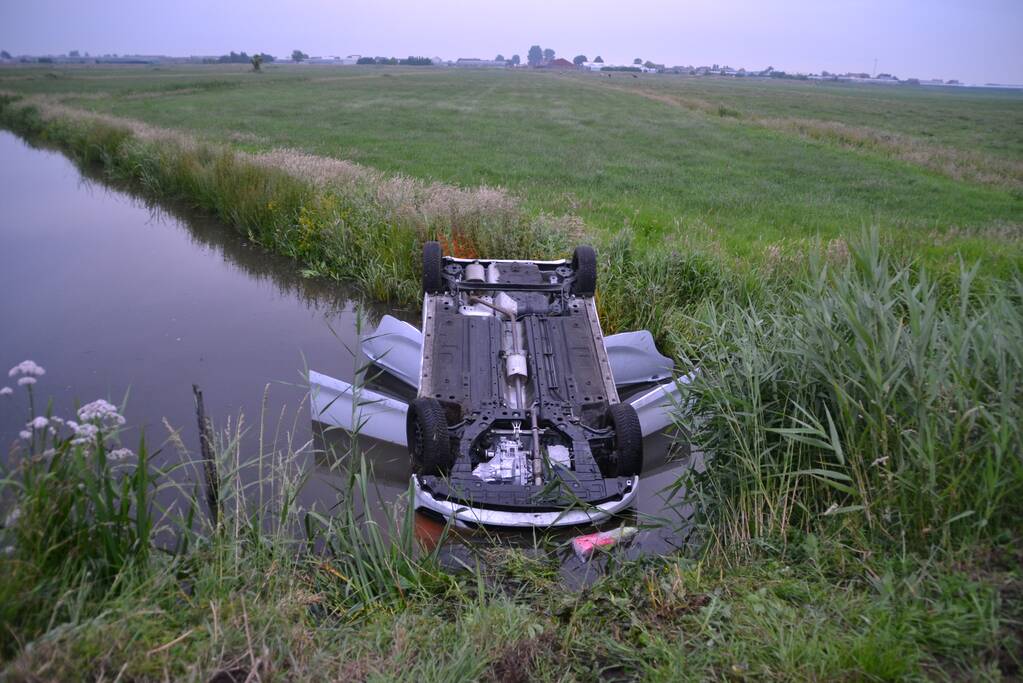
pixel 584 263
pixel 628 439
pixel 426 429
pixel 433 264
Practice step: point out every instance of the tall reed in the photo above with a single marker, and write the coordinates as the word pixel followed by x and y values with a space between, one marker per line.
pixel 867 404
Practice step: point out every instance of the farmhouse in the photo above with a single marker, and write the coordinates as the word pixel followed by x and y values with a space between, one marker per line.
pixel 559 63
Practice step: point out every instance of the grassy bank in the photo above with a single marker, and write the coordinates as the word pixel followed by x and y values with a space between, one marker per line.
pixel 271 591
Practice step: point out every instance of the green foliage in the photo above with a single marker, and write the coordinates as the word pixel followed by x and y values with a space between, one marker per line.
pixel 535 56
pixel 862 417
pixel 864 402
pixel 79 523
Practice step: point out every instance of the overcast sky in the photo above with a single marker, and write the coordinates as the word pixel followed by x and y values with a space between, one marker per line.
pixel 972 40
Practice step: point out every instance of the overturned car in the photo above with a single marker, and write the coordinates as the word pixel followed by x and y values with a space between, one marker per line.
pixel 518 418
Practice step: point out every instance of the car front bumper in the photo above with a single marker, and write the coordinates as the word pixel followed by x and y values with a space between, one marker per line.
pixel 468 516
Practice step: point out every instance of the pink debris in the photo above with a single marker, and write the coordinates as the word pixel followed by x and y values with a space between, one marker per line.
pixel 586 545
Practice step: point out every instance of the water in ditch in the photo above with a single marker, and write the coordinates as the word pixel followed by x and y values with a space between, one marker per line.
pixel 134 303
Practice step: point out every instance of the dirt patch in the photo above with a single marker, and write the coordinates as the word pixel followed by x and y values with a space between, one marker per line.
pixel 517 661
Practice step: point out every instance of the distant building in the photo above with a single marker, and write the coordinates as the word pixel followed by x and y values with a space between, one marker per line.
pixel 559 63
pixel 475 63
pixel 351 59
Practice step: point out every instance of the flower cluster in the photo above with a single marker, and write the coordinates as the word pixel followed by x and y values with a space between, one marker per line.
pixel 28 368
pixel 100 412
pixel 120 454
pixel 85 434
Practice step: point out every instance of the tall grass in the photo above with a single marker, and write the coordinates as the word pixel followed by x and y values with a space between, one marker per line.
pixel 78 522
pixel 87 524
pixel 865 404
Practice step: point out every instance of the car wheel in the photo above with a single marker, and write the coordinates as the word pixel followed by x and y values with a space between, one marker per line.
pixel 433 280
pixel 584 263
pixel 628 439
pixel 426 429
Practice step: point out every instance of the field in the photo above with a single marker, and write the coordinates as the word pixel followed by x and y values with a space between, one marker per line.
pixel 655 153
pixel 840 261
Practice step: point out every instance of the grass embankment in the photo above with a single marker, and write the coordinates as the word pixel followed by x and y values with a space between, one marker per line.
pixel 859 518
pixel 274 591
pixel 937 172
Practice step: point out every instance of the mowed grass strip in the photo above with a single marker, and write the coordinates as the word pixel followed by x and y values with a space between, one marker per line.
pixel 571 145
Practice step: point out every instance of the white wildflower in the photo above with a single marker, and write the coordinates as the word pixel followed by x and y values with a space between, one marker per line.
pixel 831 510
pixel 6 391
pixel 26 381
pixel 71 424
pixel 49 453
pixel 26 435
pixel 39 423
pixel 12 517
pixel 26 367
pixel 85 434
pixel 120 454
pixel 100 411
pixel 880 461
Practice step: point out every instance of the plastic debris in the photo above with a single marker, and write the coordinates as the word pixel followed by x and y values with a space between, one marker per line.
pixel 586 545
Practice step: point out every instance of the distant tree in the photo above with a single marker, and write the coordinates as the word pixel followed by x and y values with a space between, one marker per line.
pixel 73 53
pixel 365 60
pixel 637 60
pixel 599 60
pixel 548 55
pixel 257 62
pixel 579 59
pixel 516 60
pixel 499 58
pixel 7 55
pixel 535 56
pixel 417 61
pixel 298 56
pixel 234 58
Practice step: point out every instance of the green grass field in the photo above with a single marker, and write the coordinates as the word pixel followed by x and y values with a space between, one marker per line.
pixel 652 152
pixel 841 262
